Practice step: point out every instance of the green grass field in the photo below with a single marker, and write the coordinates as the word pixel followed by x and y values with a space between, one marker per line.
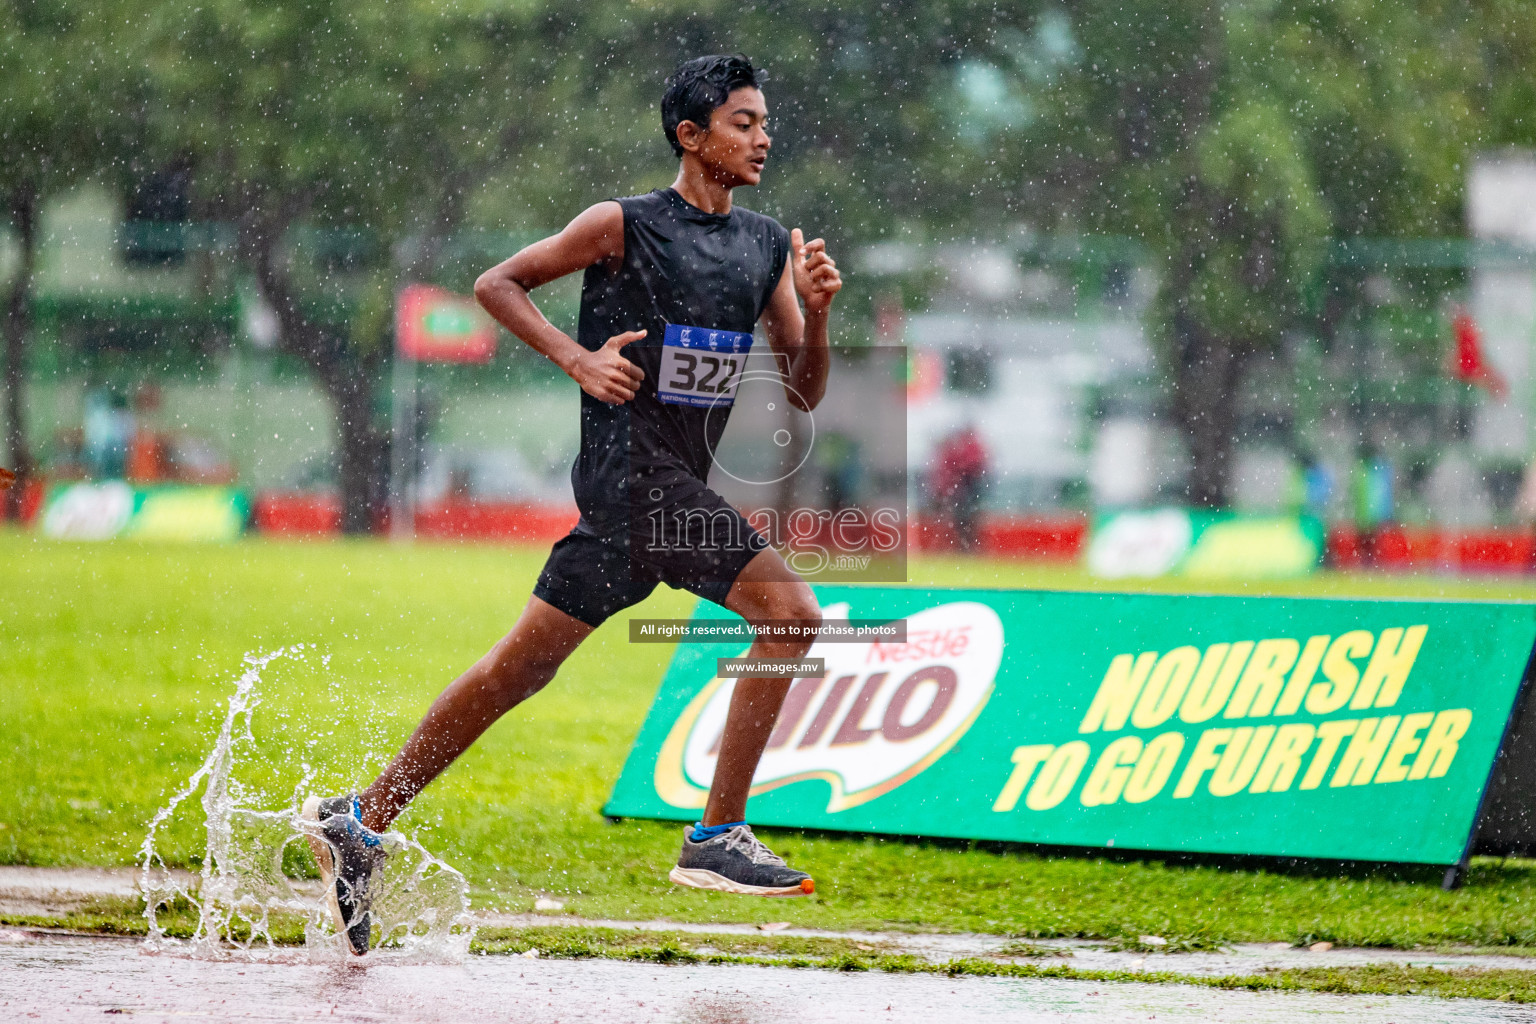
pixel 116 662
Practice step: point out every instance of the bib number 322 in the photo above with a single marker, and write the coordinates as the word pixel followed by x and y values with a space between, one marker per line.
pixel 701 366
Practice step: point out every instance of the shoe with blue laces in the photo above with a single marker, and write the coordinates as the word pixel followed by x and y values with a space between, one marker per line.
pixel 350 857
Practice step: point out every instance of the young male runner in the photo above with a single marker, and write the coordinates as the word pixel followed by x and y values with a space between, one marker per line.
pixel 670 278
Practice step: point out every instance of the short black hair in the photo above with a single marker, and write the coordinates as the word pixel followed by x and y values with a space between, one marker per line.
pixel 698 87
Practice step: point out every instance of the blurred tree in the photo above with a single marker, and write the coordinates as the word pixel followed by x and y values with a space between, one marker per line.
pixel 368 125
pixel 403 119
pixel 1234 137
pixel 55 65
pixel 869 134
pixel 1237 138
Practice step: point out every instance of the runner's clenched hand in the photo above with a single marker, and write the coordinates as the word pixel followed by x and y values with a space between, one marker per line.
pixel 816 276
pixel 605 374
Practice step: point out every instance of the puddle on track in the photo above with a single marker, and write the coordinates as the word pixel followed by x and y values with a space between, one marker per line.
pixel 71 979
pixel 421 904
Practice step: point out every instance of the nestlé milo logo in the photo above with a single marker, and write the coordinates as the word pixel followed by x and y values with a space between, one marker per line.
pixel 881 715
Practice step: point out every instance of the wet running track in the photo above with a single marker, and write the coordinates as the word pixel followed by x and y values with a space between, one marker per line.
pixel 77 979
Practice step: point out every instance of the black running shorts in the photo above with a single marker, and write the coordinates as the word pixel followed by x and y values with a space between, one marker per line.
pixel 699 543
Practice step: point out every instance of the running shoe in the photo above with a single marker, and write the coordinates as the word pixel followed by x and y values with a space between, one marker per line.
pixel 350 858
pixel 737 861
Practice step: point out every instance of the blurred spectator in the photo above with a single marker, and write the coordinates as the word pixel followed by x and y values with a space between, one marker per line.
pixel 1373 498
pixel 838 460
pixel 107 428
pixel 1314 485
pixel 461 483
pixel 194 460
pixel 1412 503
pixel 1525 500
pixel 67 455
pixel 147 458
pixel 961 467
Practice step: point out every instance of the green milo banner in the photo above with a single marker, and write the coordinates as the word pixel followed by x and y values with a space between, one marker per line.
pixel 1288 727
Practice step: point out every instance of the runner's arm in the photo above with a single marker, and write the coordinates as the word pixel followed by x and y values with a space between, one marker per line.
pixel 595 236
pixel 801 339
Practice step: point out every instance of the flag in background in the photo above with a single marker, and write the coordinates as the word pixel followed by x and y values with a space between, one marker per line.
pixel 1468 362
pixel 434 325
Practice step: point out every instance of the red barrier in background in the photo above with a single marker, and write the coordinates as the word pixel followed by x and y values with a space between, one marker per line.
pixel 494 521
pixel 299 514
pixel 309 515
pixel 296 514
pixel 32 500
pixel 32 493
pixel 1502 552
pixel 1393 548
pixel 1423 548
pixel 1058 538
pixel 1055 538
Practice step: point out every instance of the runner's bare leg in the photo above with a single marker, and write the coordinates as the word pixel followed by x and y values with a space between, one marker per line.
pixel 766 589
pixel 519 666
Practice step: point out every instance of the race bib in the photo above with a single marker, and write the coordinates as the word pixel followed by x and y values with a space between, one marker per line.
pixel 701 365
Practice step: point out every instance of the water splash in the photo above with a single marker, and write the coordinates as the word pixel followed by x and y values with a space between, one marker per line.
pixel 246 902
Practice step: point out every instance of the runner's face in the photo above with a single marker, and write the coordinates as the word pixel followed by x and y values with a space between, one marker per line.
pixel 736 145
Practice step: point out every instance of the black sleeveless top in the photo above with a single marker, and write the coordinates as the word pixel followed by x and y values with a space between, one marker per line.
pixel 681 266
